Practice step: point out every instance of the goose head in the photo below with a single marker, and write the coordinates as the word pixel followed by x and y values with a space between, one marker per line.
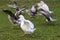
pixel 34 8
pixel 40 3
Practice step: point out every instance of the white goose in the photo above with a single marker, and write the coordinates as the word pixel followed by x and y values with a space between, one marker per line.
pixel 26 25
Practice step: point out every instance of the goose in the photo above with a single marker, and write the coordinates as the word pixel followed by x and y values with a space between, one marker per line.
pixel 32 12
pixel 18 12
pixel 44 9
pixel 26 25
pixel 12 18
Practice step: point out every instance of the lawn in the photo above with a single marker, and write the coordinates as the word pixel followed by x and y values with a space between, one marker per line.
pixel 44 30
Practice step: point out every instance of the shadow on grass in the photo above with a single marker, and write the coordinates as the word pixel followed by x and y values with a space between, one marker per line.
pixel 49 24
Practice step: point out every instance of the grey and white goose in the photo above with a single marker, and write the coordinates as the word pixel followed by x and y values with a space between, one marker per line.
pixel 11 16
pixel 44 9
pixel 32 12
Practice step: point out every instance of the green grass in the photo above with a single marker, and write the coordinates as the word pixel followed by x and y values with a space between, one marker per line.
pixel 44 30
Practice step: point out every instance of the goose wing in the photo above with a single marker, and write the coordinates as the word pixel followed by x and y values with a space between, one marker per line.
pixel 31 25
pixel 10 13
